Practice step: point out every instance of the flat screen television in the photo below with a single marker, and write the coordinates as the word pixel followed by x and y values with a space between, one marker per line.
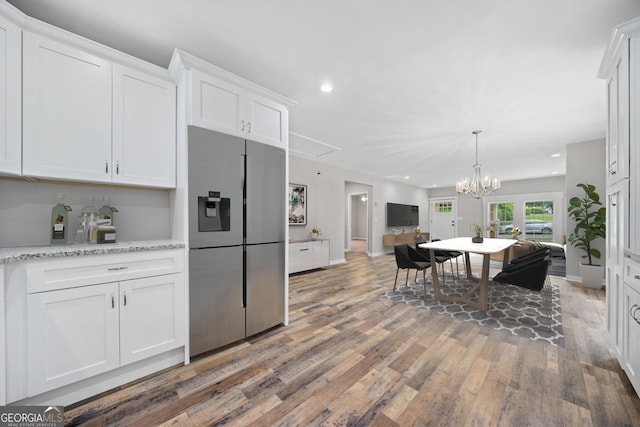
pixel 399 215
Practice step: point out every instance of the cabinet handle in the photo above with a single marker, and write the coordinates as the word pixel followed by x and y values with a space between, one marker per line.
pixel 117 268
pixel 302 250
pixel 243 126
pixel 248 127
pixel 611 171
pixel 125 298
pixel 633 311
pixel 106 166
pixel 113 302
pixel 637 277
pixel 117 168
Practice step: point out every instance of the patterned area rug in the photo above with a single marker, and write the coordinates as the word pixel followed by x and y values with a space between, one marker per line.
pixel 516 310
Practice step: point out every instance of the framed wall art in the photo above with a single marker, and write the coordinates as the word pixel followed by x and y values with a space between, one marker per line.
pixel 297 204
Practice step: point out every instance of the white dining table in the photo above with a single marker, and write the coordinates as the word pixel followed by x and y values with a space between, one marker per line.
pixel 464 244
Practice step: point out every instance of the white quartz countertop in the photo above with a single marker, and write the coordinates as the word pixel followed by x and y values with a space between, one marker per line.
pixel 25 253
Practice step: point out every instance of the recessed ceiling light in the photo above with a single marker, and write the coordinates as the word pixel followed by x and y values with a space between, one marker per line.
pixel 556 155
pixel 326 87
pixel 554 173
pixel 434 185
pixel 407 177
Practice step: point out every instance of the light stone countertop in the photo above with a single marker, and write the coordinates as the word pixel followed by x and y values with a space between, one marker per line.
pixel 25 253
pixel 632 253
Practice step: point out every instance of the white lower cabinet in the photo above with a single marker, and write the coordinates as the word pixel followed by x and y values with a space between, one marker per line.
pixel 307 255
pixel 76 333
pixel 151 316
pixel 72 335
pixel 631 313
pixel 632 332
pixel 77 326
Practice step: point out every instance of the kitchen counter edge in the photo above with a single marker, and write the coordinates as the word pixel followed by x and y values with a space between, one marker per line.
pixel 26 253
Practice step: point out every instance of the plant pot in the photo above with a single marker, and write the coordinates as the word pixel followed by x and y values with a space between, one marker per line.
pixel 592 275
pixel 477 239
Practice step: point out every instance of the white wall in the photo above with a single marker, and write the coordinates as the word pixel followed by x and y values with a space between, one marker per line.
pixel 25 210
pixel 586 164
pixel 327 196
pixel 358 217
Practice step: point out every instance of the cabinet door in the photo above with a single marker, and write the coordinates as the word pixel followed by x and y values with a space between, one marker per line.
pixel 67 112
pixel 11 104
pixel 632 336
pixel 634 149
pixel 320 253
pixel 144 129
pixel 72 335
pixel 217 105
pixel 617 197
pixel 268 121
pixel 151 316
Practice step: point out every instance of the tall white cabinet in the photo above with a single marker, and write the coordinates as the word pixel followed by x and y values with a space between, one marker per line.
pixel 621 69
pixel 10 106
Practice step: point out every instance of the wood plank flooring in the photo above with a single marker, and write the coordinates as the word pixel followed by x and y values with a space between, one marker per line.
pixel 352 357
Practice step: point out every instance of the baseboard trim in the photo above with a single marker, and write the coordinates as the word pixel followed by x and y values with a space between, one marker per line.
pixel 337 261
pixel 574 278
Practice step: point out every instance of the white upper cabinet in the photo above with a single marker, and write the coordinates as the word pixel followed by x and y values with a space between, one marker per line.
pixel 224 102
pixel 87 118
pixel 227 108
pixel 617 127
pixel 218 105
pixel 67 112
pixel 268 121
pixel 144 129
pixel 10 106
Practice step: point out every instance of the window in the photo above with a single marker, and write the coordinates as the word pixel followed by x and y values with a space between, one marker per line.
pixel 443 207
pixel 501 219
pixel 538 220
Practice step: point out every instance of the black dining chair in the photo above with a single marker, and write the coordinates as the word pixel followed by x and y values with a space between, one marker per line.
pixel 530 272
pixel 408 259
pixel 441 257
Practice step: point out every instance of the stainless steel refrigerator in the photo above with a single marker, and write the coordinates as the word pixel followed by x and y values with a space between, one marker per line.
pixel 236 238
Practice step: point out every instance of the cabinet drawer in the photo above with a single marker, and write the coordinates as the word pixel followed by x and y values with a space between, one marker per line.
pixel 42 276
pixel 632 273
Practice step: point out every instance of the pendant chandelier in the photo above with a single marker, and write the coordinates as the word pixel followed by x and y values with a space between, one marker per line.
pixel 479 185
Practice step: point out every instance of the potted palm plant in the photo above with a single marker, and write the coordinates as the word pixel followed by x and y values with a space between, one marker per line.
pixel 590 219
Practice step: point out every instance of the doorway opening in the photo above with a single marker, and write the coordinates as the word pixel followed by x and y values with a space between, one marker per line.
pixel 357 230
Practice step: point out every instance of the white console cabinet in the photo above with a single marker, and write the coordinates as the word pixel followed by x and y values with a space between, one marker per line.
pixel 90 319
pixel 308 254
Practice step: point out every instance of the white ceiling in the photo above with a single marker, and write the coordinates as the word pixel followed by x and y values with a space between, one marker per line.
pixel 412 78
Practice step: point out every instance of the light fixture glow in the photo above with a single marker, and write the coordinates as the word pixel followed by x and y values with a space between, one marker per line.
pixel 556 155
pixel 407 177
pixel 326 87
pixel 479 185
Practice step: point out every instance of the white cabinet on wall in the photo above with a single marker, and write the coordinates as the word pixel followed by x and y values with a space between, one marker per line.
pixel 11 104
pixel 88 119
pixel 308 254
pixel 67 112
pixel 144 129
pixel 227 103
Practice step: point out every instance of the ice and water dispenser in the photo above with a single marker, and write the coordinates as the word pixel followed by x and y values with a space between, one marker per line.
pixel 213 212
